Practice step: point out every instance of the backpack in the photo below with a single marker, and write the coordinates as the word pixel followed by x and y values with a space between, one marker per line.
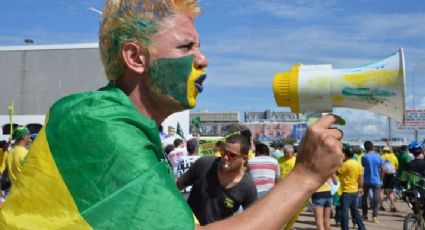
pixel 388 167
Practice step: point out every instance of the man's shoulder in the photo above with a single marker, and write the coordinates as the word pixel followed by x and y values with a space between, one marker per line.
pixel 18 150
pixel 354 164
pixel 95 99
pixel 187 159
pixel 417 162
pixel 371 156
pixel 105 120
pixel 263 159
pixel 346 164
pixel 246 182
pixel 208 159
pixel 103 109
pixel 178 150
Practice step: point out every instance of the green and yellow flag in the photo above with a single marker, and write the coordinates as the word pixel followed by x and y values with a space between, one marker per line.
pixel 96 164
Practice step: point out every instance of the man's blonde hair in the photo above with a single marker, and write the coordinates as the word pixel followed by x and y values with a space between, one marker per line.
pixel 135 21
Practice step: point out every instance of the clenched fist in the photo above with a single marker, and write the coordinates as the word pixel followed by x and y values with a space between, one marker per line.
pixel 320 152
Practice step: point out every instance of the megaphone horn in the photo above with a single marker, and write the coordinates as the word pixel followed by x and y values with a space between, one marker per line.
pixel 378 87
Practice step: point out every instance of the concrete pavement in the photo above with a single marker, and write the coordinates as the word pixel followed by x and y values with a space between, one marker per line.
pixel 387 220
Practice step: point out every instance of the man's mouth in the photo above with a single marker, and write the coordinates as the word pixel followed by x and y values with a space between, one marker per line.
pixel 199 81
pixel 226 165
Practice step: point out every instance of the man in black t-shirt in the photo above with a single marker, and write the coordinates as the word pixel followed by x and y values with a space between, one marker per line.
pixel 414 173
pixel 220 184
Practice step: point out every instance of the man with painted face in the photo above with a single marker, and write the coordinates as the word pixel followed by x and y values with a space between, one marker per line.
pixel 220 184
pixel 97 163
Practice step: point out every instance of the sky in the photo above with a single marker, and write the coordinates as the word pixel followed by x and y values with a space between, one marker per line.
pixel 249 41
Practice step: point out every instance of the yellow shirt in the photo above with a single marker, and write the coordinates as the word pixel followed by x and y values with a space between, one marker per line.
pixel 391 158
pixel 3 155
pixel 251 154
pixel 286 164
pixel 15 161
pixel 349 173
pixel 325 187
pixel 359 157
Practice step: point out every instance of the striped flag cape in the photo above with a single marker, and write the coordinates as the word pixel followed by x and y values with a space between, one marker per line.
pixel 96 164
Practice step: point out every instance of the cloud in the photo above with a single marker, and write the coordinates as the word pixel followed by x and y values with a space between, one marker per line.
pixel 352 41
pixel 421 103
pixel 363 124
pixel 296 9
pixel 390 26
pixel 243 72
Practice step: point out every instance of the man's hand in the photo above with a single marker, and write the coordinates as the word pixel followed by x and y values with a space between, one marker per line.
pixel 360 191
pixel 320 152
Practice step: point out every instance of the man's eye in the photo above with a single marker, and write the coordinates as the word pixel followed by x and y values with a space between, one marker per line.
pixel 186 46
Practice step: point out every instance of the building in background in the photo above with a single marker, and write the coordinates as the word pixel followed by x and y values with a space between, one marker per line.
pixel 273 116
pixel 269 126
pixel 212 123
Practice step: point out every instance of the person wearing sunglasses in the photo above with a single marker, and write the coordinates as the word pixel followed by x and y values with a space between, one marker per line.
pixel 220 184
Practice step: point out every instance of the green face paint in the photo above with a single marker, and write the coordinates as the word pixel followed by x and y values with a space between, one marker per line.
pixel 177 78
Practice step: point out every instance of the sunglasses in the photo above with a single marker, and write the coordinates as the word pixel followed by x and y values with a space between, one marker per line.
pixel 230 155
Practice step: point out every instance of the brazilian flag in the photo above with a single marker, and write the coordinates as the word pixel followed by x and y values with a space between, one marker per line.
pixel 96 164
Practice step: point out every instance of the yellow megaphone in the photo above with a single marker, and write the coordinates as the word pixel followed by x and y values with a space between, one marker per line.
pixel 378 87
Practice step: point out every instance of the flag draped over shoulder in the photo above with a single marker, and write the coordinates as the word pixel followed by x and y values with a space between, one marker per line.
pixel 96 164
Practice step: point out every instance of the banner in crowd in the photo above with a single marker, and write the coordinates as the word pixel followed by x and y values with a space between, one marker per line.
pixel 277 131
pixel 207 146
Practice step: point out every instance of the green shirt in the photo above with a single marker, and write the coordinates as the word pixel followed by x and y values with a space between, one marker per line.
pixel 403 160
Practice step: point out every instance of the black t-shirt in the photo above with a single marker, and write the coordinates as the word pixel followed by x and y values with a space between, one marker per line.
pixel 208 199
pixel 417 166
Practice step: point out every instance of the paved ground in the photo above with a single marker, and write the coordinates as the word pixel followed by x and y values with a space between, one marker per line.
pixel 387 220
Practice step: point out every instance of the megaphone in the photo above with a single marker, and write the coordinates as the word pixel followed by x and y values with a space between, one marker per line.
pixel 378 87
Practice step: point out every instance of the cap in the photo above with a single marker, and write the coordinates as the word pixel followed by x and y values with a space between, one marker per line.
pixel 20 132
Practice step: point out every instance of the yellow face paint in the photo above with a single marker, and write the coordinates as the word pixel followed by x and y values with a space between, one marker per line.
pixel 194 85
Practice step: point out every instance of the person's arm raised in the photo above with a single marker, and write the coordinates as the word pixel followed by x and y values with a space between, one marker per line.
pixel 319 156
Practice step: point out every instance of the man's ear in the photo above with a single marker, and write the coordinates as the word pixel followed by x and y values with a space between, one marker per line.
pixel 135 58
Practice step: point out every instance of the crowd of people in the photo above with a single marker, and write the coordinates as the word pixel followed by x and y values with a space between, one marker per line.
pixel 227 183
pixel 219 186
